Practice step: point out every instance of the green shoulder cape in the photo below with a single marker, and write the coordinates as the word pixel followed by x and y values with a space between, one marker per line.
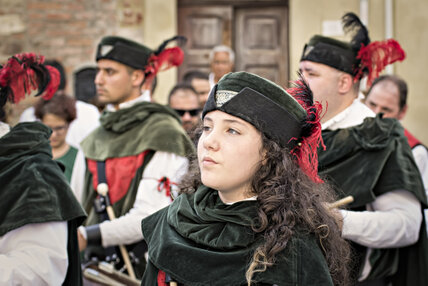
pixel 198 240
pixel 367 161
pixel 124 129
pixel 35 190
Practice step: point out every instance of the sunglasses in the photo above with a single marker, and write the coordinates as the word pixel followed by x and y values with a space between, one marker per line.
pixel 192 112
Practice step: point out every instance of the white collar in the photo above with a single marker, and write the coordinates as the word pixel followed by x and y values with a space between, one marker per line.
pixel 145 96
pixel 4 129
pixel 247 199
pixel 353 115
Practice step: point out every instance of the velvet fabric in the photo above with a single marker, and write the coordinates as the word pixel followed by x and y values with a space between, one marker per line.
pixel 330 52
pixel 367 161
pixel 260 102
pixel 199 240
pixel 130 131
pixel 123 51
pixel 34 189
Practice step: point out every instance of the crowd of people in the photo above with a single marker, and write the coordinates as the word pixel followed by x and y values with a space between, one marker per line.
pixel 234 182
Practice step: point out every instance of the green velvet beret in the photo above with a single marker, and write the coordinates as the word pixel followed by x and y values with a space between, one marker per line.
pixel 260 102
pixel 122 50
pixel 331 52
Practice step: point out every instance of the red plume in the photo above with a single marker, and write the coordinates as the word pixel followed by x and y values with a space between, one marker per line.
pixel 306 152
pixel 24 73
pixel 376 56
pixel 164 60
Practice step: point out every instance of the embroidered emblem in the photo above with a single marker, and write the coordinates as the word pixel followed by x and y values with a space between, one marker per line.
pixel 105 49
pixel 223 96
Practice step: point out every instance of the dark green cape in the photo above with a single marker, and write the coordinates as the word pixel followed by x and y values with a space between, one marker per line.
pixel 130 131
pixel 199 240
pixel 367 161
pixel 34 189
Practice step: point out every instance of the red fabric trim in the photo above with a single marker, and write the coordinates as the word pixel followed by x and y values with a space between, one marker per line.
pixel 413 141
pixel 119 173
pixel 161 278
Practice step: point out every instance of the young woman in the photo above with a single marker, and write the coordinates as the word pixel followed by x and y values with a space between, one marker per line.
pixel 58 113
pixel 253 210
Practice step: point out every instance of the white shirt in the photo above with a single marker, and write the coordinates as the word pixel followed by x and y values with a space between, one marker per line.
pixel 34 254
pixel 420 154
pixel 392 219
pixel 127 228
pixel 211 80
pixel 87 119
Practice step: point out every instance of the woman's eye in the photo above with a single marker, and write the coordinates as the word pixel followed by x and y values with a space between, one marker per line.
pixel 232 131
pixel 206 128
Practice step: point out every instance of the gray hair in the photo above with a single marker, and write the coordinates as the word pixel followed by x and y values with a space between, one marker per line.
pixel 222 48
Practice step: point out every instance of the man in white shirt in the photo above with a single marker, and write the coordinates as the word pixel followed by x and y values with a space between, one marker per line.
pixel 139 150
pixel 39 213
pixel 368 158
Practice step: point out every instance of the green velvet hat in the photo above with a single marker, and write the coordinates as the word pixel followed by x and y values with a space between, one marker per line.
pixel 331 52
pixel 260 102
pixel 124 51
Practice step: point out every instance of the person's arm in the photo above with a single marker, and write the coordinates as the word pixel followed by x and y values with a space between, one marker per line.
pixel 420 154
pixel 127 229
pixel 393 221
pixel 34 254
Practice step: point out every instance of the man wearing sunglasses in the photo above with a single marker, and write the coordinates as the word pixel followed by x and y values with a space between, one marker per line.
pixel 184 100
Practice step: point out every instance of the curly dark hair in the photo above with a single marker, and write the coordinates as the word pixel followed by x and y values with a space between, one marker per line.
pixel 60 105
pixel 288 198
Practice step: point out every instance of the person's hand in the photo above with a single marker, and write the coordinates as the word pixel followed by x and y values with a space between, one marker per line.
pixel 81 240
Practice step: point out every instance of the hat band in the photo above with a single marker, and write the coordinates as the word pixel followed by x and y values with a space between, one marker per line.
pixel 330 55
pixel 266 115
pixel 123 54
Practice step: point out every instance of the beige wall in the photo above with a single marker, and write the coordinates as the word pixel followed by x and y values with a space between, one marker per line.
pixel 410 29
pixel 160 23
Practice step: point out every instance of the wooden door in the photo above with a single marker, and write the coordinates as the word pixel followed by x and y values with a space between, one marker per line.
pixel 205 27
pixel 261 38
pixel 256 30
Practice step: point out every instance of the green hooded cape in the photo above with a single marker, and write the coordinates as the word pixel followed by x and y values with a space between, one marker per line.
pixel 367 161
pixel 198 240
pixel 130 131
pixel 35 190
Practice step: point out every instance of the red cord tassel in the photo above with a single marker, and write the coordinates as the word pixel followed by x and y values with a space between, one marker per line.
pixel 164 60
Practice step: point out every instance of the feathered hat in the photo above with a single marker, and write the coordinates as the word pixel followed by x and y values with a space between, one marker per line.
pixel 360 57
pixel 290 118
pixel 138 56
pixel 24 74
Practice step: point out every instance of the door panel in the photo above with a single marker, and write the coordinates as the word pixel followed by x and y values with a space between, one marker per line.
pixel 205 27
pixel 261 42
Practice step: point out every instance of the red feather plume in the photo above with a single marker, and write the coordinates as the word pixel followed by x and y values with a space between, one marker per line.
pixel 376 56
pixel 164 60
pixel 306 152
pixel 24 73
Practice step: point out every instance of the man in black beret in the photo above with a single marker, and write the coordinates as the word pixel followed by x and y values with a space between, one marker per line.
pixel 368 157
pixel 136 154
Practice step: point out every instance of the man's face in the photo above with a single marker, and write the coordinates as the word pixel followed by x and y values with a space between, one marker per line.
pixel 186 103
pixel 384 98
pixel 113 82
pixel 221 64
pixel 323 81
pixel 202 87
